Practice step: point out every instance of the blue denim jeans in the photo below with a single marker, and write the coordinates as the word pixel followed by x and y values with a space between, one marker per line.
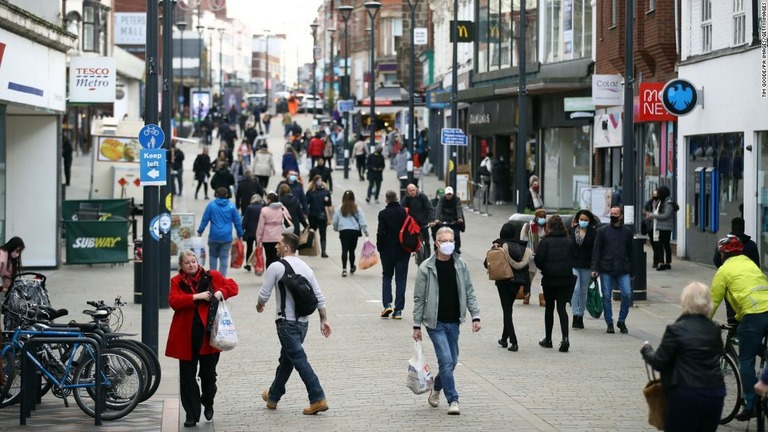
pixel 397 267
pixel 607 282
pixel 218 252
pixel 579 299
pixel 750 331
pixel 445 339
pixel 292 356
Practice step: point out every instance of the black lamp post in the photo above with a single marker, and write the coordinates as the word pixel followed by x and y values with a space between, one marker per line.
pixel 221 61
pixel 345 12
pixel 413 4
pixel 266 70
pixel 314 26
pixel 521 177
pixel 372 7
pixel 331 90
pixel 200 30
pixel 210 57
pixel 181 25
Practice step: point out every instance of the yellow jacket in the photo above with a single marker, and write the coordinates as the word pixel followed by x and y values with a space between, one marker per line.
pixel 743 284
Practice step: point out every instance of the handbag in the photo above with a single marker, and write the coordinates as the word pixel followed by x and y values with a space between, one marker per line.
pixel 312 246
pixel 359 228
pixel 306 238
pixel 656 399
pixel 329 211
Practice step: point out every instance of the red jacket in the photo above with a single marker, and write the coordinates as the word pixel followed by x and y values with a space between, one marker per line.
pixel 316 147
pixel 179 344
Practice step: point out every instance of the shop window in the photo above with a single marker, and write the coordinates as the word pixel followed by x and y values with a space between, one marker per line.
pixel 762 197
pixel 566 165
pixel 498 35
pixel 91 26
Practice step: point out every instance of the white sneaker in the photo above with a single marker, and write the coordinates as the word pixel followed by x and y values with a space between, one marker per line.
pixel 453 408
pixel 434 398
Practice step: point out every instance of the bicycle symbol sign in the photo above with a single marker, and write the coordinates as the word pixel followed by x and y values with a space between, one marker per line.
pixel 151 136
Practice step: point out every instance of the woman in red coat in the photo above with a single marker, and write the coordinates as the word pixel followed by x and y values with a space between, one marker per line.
pixel 190 299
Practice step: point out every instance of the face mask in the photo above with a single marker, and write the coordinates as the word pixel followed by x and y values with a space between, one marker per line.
pixel 614 220
pixel 541 221
pixel 319 184
pixel 535 188
pixel 292 178
pixel 447 248
pixel 583 224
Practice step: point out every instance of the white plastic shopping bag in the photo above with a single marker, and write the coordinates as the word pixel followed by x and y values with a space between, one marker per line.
pixel 419 379
pixel 223 334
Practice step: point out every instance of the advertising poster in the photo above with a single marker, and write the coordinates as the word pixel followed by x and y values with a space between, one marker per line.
pixel 568 29
pixel 118 149
pixel 182 231
pixel 201 103
pixel 93 242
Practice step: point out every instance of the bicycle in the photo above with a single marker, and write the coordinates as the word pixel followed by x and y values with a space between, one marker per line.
pixel 734 389
pixel 76 374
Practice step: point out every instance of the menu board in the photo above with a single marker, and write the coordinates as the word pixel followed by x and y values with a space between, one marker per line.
pixel 182 232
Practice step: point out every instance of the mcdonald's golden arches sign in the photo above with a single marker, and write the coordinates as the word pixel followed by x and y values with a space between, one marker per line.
pixel 465 31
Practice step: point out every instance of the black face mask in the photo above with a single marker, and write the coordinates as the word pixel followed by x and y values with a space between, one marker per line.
pixel 615 220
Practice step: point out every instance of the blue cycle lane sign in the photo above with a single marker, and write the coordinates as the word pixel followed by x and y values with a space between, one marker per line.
pixel 152 167
pixel 151 136
pixel 452 136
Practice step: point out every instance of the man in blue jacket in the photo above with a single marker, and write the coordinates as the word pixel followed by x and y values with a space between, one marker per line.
pixel 222 215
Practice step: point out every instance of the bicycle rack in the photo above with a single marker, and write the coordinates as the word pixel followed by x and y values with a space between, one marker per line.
pixel 29 375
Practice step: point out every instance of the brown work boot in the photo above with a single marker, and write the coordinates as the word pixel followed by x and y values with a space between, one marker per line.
pixel 270 404
pixel 316 407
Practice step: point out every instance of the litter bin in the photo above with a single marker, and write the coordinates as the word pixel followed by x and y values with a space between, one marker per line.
pixel 138 269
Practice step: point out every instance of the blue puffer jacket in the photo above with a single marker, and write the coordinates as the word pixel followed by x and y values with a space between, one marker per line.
pixel 222 214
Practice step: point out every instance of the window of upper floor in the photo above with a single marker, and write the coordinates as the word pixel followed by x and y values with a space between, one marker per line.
pixel 567 26
pixel 706 26
pixel 94 35
pixel 739 23
pixel 651 5
pixel 498 36
pixel 389 34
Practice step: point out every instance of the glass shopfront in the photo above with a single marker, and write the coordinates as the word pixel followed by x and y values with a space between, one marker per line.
pixel 566 165
pixel 498 35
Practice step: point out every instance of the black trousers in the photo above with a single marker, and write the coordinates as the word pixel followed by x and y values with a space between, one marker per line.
pixel 204 184
pixel 348 245
pixel 190 392
pixel 360 164
pixel 556 296
pixel 321 225
pixel 507 293
pixel 264 180
pixel 693 410
pixel 270 253
pixel 663 248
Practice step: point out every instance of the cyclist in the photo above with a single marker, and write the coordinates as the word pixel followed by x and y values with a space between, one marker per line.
pixel 450 214
pixel 745 287
pixel 420 209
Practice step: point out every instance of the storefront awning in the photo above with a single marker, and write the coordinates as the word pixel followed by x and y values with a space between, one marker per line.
pixel 365 110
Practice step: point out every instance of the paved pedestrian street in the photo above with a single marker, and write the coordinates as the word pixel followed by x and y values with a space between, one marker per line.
pixel 363 365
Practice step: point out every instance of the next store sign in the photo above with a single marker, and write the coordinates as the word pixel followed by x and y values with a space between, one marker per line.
pixel 649 107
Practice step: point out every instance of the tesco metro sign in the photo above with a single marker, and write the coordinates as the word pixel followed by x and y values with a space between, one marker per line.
pixel 92 79
pixel 650 107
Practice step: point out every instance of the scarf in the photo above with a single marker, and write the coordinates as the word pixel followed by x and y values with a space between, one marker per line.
pixel 192 283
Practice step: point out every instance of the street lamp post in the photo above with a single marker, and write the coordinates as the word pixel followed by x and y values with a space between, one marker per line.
pixel 181 25
pixel 346 11
pixel 522 133
pixel 413 4
pixel 454 87
pixel 166 190
pixel 210 57
pixel 200 30
pixel 266 70
pixel 221 61
pixel 372 7
pixel 331 90
pixel 314 26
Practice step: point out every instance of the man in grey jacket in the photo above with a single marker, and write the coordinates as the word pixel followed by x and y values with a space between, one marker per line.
pixel 442 295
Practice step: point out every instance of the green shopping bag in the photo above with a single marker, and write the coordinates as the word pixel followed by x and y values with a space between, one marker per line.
pixel 594 299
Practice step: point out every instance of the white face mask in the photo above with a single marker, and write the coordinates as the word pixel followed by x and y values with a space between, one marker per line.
pixel 447 248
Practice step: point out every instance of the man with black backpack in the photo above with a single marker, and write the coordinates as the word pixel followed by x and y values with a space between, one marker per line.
pixel 298 295
pixel 394 257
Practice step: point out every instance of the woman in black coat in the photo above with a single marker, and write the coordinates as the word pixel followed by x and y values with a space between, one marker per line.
pixel 519 255
pixel 554 258
pixel 250 223
pixel 688 358
pixel 318 198
pixel 582 233
pixel 202 168
pixel 294 208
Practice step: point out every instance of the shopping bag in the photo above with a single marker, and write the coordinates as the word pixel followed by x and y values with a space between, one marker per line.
pixel 306 238
pixel 311 246
pixel 237 254
pixel 419 379
pixel 368 256
pixel 198 247
pixel 656 399
pixel 223 333
pixel 329 211
pixel 594 299
pixel 259 262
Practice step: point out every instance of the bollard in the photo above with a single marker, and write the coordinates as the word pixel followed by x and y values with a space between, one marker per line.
pixel 138 268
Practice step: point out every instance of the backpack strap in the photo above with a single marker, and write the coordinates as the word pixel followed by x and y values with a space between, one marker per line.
pixel 281 286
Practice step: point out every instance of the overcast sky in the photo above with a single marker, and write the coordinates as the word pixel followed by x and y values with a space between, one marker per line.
pixel 291 17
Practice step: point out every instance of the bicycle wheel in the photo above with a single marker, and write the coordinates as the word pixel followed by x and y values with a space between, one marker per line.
pixel 138 355
pixel 122 389
pixel 12 388
pixel 730 370
pixel 154 367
